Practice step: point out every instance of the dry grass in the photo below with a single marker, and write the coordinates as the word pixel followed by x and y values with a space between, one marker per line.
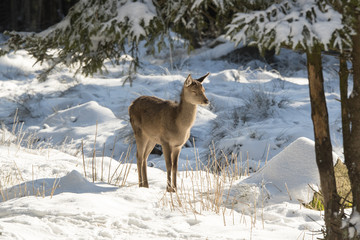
pixel 343 183
pixel 208 189
pixel 95 170
pixel 343 188
pixel 19 138
pixel 13 185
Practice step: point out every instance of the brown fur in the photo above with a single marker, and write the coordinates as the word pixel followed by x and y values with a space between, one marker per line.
pixel 158 121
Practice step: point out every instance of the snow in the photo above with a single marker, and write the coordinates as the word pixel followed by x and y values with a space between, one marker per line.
pixel 354 223
pixel 46 183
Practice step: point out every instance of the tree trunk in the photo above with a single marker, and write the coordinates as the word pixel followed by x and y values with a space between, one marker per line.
pixel 352 157
pixel 323 148
pixel 343 76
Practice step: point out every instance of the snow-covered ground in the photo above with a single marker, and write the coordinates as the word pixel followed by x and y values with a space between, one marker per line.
pixel 258 118
pixel 53 200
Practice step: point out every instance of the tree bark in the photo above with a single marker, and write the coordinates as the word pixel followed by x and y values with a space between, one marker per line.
pixel 343 76
pixel 323 148
pixel 352 157
pixel 345 117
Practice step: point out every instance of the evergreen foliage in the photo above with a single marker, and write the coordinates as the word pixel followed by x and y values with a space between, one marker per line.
pixel 97 30
pixel 198 20
pixel 94 30
pixel 203 20
pixel 298 24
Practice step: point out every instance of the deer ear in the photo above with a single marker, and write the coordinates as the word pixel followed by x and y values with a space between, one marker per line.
pixel 188 81
pixel 202 78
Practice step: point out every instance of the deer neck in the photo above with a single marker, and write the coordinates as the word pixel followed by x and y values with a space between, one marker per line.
pixel 186 113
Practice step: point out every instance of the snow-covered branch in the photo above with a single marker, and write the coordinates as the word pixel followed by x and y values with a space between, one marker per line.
pixel 296 24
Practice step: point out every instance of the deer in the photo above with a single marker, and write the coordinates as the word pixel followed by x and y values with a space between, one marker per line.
pixel 168 123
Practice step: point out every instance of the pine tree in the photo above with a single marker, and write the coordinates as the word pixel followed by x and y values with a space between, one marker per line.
pixel 311 26
pixel 350 104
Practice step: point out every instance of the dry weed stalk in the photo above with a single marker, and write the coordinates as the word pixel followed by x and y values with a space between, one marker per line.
pixel 288 192
pixel 55 185
pixel 83 156
pixel 119 176
pixel 93 168
pixel 2 193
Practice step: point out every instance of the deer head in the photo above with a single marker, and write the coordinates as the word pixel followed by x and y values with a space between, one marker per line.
pixel 194 92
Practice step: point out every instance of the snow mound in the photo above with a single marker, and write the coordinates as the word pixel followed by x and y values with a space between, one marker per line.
pixel 74 182
pixel 82 115
pixel 81 123
pixel 290 173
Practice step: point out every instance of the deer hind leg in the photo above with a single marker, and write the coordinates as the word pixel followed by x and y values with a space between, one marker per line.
pixel 149 146
pixel 141 143
pixel 168 162
pixel 174 166
pixel 139 158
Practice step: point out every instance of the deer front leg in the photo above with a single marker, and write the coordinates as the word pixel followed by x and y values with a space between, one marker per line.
pixel 175 158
